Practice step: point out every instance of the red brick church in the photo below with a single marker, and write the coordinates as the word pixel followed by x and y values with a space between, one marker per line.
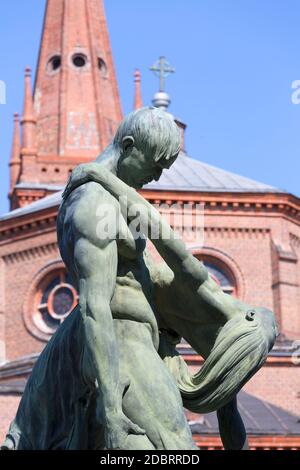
pixel 251 233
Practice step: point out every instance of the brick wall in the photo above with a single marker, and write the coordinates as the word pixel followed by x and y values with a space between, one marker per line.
pixel 279 385
pixel 257 249
pixel 22 265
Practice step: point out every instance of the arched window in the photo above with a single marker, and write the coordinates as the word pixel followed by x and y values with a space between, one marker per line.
pixel 222 277
pixel 52 298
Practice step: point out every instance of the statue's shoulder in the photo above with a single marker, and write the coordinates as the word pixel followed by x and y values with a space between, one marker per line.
pixel 86 198
pixel 82 211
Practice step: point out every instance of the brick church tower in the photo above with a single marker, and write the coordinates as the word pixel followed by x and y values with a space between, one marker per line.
pixel 250 242
pixel 75 107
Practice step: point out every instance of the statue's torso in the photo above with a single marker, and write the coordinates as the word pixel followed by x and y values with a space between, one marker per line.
pixel 133 294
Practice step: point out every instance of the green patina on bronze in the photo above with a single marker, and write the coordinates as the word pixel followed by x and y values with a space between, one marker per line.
pixel 111 377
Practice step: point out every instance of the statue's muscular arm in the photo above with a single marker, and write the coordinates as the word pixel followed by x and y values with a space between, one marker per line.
pixel 95 263
pixel 190 274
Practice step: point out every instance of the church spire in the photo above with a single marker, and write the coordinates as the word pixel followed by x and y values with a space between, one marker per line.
pixel 15 160
pixel 138 102
pixel 28 118
pixel 76 106
pixel 28 147
pixel 76 95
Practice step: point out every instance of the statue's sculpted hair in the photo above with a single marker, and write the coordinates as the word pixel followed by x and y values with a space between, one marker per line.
pixel 154 131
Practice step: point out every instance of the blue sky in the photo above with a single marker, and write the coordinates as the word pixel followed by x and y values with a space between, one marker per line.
pixel 235 62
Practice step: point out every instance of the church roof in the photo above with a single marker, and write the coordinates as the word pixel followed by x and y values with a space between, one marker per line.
pixel 186 174
pixel 44 203
pixel 259 417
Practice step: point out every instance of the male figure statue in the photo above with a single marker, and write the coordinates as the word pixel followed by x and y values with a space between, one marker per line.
pixel 101 381
pixel 123 395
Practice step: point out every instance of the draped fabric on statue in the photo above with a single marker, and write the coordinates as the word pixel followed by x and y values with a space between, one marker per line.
pixel 240 350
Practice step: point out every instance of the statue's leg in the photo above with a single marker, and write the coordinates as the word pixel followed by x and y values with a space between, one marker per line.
pixel 151 398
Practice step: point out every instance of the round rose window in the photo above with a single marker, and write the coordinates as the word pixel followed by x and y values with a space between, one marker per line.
pixel 60 301
pixel 54 299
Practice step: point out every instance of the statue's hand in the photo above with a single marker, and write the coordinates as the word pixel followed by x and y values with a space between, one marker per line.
pixel 118 427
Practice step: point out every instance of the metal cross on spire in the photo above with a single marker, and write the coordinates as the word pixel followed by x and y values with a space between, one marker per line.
pixel 162 69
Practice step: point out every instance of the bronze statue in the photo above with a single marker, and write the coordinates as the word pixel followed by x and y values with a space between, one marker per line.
pixel 110 377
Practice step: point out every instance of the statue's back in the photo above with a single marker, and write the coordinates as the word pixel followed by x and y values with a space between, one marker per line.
pixel 55 409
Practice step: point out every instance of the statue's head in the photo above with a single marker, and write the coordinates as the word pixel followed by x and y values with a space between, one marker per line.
pixel 148 141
